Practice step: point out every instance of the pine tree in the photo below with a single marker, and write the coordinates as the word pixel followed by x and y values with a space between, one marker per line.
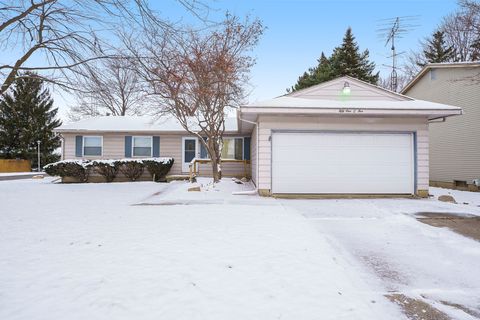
pixel 345 60
pixel 27 116
pixel 436 50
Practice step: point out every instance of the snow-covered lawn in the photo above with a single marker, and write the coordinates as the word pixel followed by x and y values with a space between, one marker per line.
pixel 82 251
pixel 155 251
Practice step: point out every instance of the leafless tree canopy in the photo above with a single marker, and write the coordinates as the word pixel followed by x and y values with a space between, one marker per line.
pixel 110 87
pixel 56 38
pixel 462 32
pixel 196 75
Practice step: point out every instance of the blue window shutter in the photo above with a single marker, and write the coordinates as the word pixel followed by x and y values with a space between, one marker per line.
pixel 156 146
pixel 78 146
pixel 128 146
pixel 203 150
pixel 246 148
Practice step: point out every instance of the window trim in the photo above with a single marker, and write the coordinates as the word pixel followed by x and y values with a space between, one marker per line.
pixel 243 146
pixel 133 146
pixel 83 146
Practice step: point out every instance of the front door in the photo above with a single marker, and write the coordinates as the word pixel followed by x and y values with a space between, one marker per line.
pixel 189 152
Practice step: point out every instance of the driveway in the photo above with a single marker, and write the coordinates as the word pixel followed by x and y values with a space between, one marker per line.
pixel 413 262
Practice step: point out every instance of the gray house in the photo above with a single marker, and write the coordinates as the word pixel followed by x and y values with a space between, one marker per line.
pixel 344 136
pixel 455 144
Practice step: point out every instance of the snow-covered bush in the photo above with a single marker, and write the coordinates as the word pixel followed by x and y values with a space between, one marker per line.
pixel 158 167
pixel 106 168
pixel 77 169
pixel 132 169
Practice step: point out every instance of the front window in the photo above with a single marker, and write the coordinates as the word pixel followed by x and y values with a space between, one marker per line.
pixel 92 146
pixel 142 146
pixel 232 148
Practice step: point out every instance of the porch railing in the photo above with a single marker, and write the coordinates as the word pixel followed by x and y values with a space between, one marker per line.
pixel 195 169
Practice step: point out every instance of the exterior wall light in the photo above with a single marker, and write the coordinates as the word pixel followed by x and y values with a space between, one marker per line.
pixel 346 88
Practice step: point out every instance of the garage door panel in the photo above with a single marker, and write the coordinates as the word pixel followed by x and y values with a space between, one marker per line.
pixel 342 163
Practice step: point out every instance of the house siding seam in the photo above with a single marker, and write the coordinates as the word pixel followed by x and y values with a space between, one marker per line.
pixel 269 123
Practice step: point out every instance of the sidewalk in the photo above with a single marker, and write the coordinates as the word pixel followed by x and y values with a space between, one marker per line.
pixel 19 175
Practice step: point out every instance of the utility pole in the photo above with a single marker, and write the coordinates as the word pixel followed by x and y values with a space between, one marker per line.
pixel 38 156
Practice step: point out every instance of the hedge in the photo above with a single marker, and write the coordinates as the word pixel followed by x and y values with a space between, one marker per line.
pixel 131 168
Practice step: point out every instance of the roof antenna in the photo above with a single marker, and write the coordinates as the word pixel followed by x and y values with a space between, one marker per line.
pixel 390 30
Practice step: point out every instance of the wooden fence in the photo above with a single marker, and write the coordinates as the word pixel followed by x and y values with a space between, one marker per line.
pixel 14 165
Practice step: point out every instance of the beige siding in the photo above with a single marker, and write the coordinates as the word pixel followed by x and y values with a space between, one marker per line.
pixel 267 123
pixel 359 91
pixel 454 144
pixel 170 146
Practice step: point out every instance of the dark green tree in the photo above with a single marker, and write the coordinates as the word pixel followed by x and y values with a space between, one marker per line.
pixel 436 50
pixel 321 73
pixel 27 116
pixel 345 60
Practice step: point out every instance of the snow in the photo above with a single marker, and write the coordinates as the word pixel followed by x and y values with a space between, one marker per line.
pixel 147 250
pixel 111 162
pixel 134 124
pixel 293 102
pixel 461 197
pixel 421 261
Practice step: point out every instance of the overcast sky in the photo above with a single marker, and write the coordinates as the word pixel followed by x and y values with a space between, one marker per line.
pixel 298 31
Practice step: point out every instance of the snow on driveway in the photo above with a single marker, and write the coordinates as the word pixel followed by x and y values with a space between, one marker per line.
pixel 423 262
pixel 83 251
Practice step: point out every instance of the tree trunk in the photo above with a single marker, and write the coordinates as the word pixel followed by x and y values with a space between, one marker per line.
pixel 216 159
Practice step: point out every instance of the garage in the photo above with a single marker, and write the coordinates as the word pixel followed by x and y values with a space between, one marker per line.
pixel 342 163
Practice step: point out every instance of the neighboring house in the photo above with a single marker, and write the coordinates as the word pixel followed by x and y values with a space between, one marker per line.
pixel 343 136
pixel 454 145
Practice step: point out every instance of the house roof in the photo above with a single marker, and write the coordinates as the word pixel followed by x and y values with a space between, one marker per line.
pixel 442 65
pixel 133 124
pixel 364 100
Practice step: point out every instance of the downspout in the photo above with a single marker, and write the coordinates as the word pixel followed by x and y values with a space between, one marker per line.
pixel 256 154
pixel 62 138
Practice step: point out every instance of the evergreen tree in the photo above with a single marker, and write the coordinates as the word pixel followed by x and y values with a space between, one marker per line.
pixel 345 60
pixel 27 116
pixel 436 50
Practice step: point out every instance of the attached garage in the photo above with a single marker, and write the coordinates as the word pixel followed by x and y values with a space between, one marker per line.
pixel 343 163
pixel 341 137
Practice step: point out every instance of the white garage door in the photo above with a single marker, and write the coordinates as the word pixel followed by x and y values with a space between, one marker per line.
pixel 330 162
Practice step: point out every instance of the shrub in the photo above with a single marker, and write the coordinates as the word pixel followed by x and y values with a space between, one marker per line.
pixel 158 167
pixel 132 169
pixel 77 169
pixel 106 168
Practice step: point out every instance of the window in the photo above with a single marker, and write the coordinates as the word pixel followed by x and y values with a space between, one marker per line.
pixel 92 146
pixel 232 148
pixel 142 146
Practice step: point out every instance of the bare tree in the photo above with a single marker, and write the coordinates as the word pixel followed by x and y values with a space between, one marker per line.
pixel 402 81
pixel 196 75
pixel 110 87
pixel 66 35
pixel 462 31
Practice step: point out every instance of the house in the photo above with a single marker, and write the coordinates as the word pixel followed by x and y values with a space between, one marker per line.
pixel 343 136
pixel 454 145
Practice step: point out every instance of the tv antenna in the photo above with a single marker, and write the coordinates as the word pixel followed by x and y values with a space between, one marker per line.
pixel 391 30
